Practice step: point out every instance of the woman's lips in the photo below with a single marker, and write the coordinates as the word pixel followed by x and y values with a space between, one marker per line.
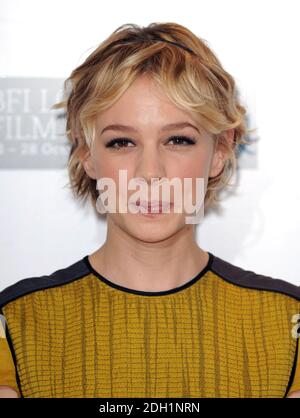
pixel 155 206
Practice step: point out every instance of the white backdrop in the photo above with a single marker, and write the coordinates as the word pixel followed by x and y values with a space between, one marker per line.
pixel 43 229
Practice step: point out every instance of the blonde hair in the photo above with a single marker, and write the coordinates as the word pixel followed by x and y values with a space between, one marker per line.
pixel 187 69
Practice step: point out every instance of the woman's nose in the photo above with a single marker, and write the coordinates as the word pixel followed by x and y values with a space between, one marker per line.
pixel 150 165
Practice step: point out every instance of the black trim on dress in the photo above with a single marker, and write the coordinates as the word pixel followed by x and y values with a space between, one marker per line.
pixel 29 285
pixel 251 280
pixel 150 293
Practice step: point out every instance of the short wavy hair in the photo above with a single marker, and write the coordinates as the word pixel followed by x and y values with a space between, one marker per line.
pixel 188 71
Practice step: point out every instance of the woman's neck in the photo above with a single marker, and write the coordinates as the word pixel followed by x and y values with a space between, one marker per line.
pixel 149 266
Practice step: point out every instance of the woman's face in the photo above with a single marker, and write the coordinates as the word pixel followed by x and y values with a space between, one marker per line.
pixel 147 149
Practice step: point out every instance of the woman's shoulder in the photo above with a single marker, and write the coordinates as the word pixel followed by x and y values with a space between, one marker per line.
pixel 29 285
pixel 251 279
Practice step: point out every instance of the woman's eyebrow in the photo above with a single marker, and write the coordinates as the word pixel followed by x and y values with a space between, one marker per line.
pixel 170 126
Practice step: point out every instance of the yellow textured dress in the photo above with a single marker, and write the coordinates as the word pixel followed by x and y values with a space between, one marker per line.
pixel 227 332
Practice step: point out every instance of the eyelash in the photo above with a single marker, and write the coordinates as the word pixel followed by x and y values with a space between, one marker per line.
pixel 112 142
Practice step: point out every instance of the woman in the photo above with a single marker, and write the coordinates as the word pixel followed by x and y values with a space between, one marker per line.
pixel 150 313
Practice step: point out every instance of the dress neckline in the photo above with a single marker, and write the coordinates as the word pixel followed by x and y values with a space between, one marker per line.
pixel 177 289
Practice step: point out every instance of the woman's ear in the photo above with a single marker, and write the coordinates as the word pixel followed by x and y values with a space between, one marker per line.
pixel 220 153
pixel 86 159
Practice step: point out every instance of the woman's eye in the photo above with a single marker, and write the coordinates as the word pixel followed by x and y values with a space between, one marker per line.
pixel 182 140
pixel 120 142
